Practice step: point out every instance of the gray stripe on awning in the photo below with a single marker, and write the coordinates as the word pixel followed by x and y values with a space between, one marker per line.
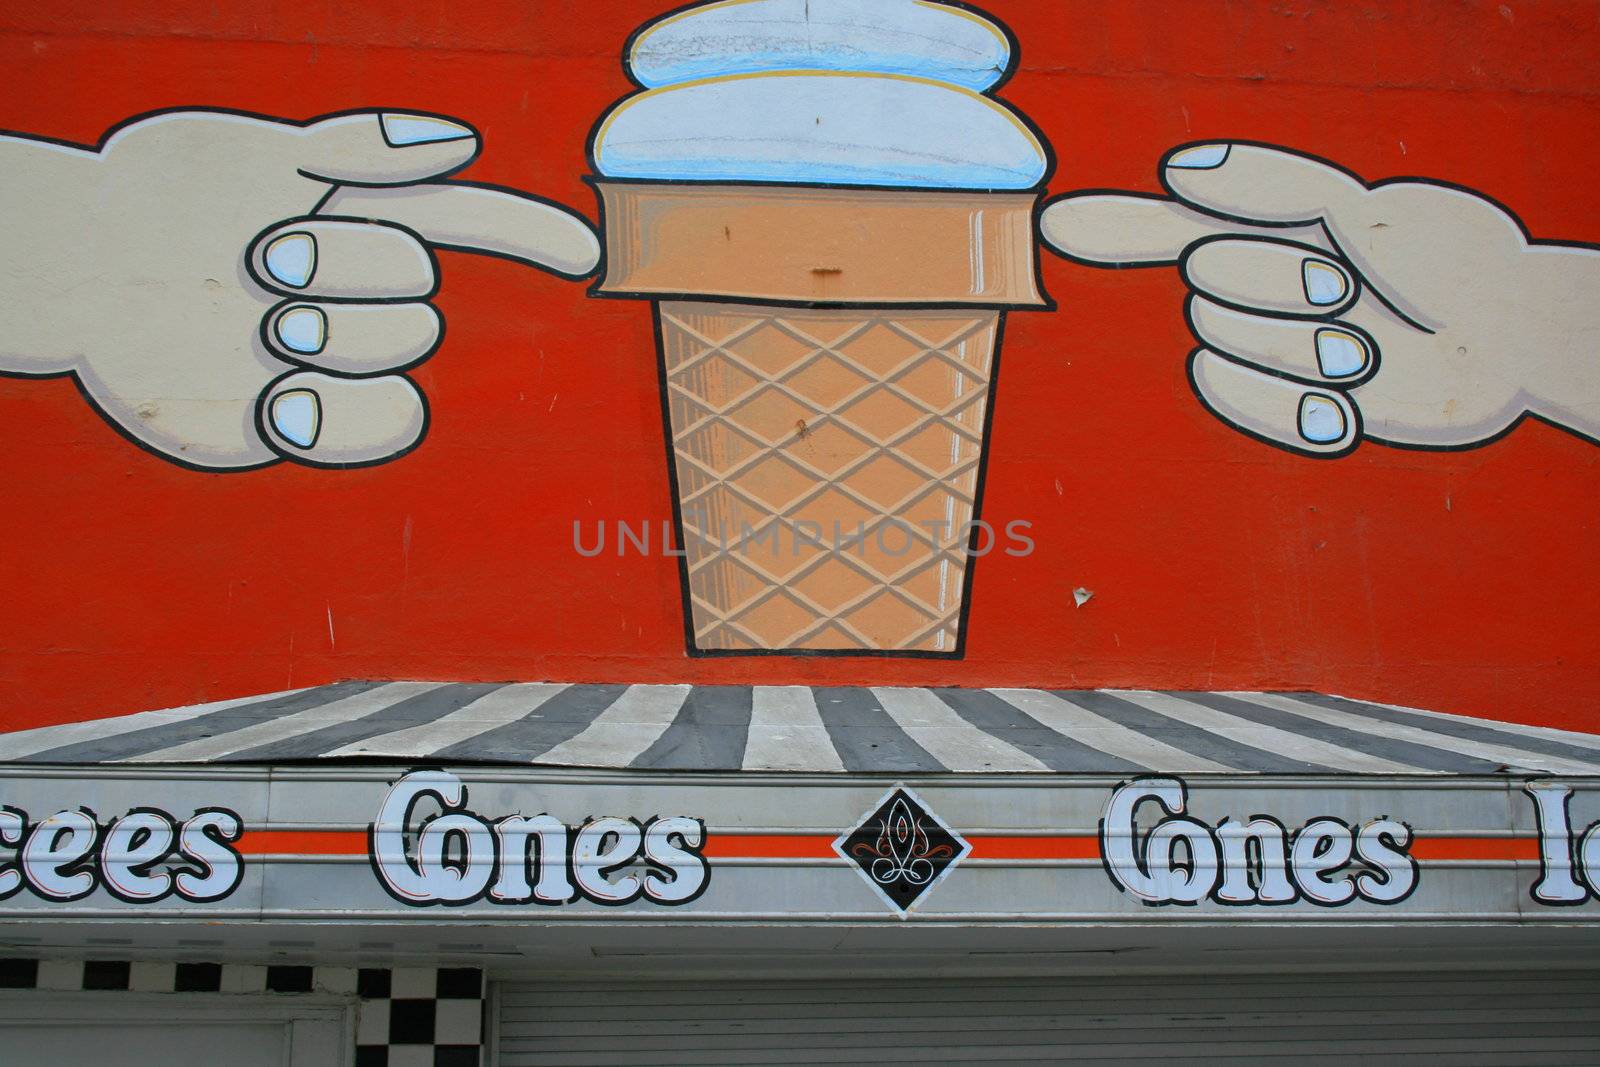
pixel 1425 757
pixel 620 734
pixel 20 744
pixel 154 738
pixel 563 716
pixel 852 729
pixel 1511 729
pixel 505 705
pixel 409 711
pixel 1453 727
pixel 949 738
pixel 1107 736
pixel 1503 757
pixel 1016 727
pixel 1285 743
pixel 866 737
pixel 1215 747
pixel 709 733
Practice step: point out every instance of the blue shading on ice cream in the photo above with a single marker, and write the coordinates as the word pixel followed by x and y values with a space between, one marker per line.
pixel 925 40
pixel 868 92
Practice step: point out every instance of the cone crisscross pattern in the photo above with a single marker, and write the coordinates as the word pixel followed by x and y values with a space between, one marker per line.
pixel 827 465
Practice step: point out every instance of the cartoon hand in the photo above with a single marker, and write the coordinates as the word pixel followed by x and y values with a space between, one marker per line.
pixel 231 290
pixel 1410 312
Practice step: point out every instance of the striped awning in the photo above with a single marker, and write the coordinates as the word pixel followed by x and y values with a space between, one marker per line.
pixel 805 729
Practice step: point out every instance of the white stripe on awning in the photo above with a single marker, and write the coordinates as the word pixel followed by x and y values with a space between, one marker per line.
pixel 621 733
pixel 493 709
pixel 949 738
pixel 1508 755
pixel 786 733
pixel 25 743
pixel 1542 733
pixel 1270 738
pixel 347 709
pixel 803 729
pixel 1109 737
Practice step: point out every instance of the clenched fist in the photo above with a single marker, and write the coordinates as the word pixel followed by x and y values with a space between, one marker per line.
pixel 231 290
pixel 1408 312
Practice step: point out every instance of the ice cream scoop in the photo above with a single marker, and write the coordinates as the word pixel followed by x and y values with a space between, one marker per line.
pixel 822 127
pixel 924 40
pixel 869 92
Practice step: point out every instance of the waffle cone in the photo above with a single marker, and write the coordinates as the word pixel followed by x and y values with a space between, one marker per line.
pixel 827 459
pixel 827 467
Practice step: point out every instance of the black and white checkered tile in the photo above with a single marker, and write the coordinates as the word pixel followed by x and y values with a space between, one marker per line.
pixel 420 1017
pixel 408 1016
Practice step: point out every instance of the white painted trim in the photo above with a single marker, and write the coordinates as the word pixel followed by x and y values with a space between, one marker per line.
pixel 489 1054
pixel 322 1029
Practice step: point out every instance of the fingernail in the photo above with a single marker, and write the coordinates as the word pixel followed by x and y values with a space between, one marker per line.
pixel 297 416
pixel 1325 283
pixel 1340 354
pixel 1321 420
pixel 292 259
pixel 401 130
pixel 1200 157
pixel 302 329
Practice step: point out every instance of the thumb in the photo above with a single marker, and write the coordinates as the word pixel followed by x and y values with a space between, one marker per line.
pixel 384 147
pixel 1254 183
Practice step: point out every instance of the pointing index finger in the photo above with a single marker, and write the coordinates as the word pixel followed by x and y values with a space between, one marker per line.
pixel 1138 230
pixel 1253 183
pixel 483 219
pixel 384 147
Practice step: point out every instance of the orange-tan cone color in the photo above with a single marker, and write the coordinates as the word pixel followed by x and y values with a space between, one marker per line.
pixel 827 458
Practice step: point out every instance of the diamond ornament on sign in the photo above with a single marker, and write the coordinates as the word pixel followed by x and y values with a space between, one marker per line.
pixel 902 849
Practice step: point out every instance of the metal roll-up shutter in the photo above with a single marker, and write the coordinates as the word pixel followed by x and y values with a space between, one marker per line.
pixel 1453 1018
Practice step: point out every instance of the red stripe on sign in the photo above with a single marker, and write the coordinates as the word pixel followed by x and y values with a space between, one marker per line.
pixel 1475 848
pixel 302 843
pixel 989 847
pixel 769 846
pixel 1063 847
pixel 820 847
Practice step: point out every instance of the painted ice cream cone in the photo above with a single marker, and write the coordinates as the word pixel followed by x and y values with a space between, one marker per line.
pixel 830 289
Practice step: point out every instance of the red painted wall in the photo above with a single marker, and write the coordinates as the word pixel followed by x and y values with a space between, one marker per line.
pixel 1459 581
